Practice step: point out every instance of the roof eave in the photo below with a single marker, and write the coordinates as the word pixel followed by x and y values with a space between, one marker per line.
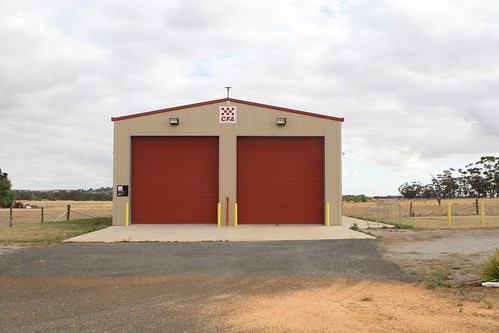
pixel 223 100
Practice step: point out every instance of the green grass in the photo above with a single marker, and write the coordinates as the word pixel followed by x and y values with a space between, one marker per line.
pixel 402 226
pixel 50 232
pixel 490 270
pixel 434 279
pixel 355 227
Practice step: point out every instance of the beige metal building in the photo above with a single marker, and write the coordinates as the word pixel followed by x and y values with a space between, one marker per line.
pixel 227 162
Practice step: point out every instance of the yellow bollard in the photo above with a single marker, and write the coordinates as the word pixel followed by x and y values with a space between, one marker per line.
pixel 219 214
pixel 482 213
pixel 448 214
pixel 327 215
pixel 127 215
pixel 235 214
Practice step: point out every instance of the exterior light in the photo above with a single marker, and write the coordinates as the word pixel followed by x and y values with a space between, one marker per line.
pixel 281 121
pixel 174 121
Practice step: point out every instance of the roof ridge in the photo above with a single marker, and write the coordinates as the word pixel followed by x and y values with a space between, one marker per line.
pixel 221 100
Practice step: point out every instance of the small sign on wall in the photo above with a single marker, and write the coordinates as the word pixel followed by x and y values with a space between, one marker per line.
pixel 227 115
pixel 122 190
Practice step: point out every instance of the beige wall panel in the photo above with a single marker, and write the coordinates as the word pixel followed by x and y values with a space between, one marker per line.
pixel 251 121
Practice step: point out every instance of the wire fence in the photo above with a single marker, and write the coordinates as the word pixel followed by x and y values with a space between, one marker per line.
pixel 48 211
pixel 465 212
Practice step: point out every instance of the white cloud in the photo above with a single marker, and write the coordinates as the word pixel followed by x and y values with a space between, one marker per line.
pixel 416 82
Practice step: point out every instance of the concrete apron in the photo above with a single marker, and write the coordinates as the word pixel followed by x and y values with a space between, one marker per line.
pixel 212 233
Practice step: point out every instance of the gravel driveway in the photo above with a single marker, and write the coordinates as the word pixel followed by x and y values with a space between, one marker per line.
pixel 165 287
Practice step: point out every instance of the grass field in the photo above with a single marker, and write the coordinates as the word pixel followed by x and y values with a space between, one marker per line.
pixel 50 232
pixel 53 210
pixel 428 214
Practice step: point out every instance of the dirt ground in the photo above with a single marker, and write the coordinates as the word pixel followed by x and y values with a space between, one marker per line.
pixel 360 306
pixel 450 258
pixel 212 303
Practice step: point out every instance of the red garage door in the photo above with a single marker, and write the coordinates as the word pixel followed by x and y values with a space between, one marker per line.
pixel 280 180
pixel 174 180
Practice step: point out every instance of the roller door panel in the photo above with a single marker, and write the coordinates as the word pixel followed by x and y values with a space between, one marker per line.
pixel 280 180
pixel 174 180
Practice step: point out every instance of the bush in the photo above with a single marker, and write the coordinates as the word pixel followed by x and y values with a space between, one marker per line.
pixel 490 270
pixel 355 227
pixel 403 226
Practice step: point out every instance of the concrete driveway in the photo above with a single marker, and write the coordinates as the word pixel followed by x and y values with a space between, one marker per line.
pixel 200 233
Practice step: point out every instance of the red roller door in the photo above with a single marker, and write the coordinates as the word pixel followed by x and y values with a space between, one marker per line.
pixel 174 180
pixel 280 180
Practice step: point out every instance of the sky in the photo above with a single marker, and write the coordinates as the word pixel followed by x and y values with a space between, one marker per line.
pixel 416 81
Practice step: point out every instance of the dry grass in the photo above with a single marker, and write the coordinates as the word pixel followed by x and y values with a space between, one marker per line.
pixel 53 210
pixel 457 222
pixel 428 214
pixel 49 232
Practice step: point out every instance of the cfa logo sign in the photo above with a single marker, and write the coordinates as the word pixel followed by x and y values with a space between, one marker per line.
pixel 227 115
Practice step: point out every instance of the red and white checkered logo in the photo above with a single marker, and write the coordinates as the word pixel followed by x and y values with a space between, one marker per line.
pixel 228 115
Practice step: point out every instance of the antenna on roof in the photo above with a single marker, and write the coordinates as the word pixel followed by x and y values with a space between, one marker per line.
pixel 228 90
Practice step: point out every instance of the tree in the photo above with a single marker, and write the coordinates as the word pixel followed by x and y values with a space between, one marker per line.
pixel 447 184
pixel 479 180
pixel 6 194
pixel 411 191
pixel 490 175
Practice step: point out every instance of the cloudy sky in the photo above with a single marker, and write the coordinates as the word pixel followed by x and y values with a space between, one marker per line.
pixel 416 81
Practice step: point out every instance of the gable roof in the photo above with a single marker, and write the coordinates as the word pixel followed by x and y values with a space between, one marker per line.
pixel 223 100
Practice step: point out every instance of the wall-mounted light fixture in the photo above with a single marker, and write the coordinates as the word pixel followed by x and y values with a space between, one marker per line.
pixel 174 121
pixel 280 121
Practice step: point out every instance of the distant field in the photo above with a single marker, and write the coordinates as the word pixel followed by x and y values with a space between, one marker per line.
pixel 53 210
pixel 428 214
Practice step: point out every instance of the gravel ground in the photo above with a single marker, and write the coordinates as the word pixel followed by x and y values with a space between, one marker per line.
pixel 335 258
pixel 241 286
pixel 457 254
pixel 167 287
pixel 8 248
pixel 432 244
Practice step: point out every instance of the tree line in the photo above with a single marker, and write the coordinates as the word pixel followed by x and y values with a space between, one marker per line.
pixel 355 198
pixel 100 194
pixel 7 195
pixel 475 180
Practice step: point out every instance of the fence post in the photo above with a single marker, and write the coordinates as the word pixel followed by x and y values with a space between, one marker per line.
pixel 10 215
pixel 482 213
pixel 410 210
pixel 377 214
pixel 400 214
pixel 476 205
pixel 68 213
pixel 448 214
pixel 42 215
